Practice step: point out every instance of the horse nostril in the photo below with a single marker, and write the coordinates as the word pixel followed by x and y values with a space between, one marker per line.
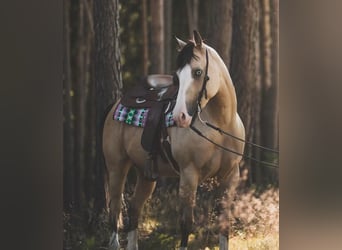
pixel 183 117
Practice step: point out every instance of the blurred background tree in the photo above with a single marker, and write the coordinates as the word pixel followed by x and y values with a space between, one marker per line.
pixel 109 45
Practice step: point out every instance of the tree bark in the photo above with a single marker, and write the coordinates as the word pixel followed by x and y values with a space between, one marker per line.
pixel 79 102
pixel 275 63
pixel 192 13
pixel 168 36
pixel 157 37
pixel 108 80
pixel 68 127
pixel 145 38
pixel 90 118
pixel 220 32
pixel 245 65
pixel 269 133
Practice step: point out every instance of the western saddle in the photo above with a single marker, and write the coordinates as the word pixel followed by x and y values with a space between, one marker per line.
pixel 157 93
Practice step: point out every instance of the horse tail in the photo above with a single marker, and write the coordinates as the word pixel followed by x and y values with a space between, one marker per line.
pixel 101 155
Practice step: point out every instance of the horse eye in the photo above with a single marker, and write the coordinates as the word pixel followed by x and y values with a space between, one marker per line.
pixel 197 73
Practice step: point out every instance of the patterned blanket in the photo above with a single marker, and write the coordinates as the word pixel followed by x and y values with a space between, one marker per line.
pixel 137 117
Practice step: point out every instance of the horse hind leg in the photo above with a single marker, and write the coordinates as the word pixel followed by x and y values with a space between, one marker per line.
pixel 225 195
pixel 116 179
pixel 143 190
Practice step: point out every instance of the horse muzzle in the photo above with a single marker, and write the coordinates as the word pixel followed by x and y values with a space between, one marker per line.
pixel 183 112
pixel 182 119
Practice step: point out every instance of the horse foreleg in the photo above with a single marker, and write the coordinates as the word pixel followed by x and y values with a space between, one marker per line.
pixel 187 195
pixel 143 190
pixel 186 223
pixel 225 195
pixel 116 180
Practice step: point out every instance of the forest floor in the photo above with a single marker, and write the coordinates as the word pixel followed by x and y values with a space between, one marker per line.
pixel 254 223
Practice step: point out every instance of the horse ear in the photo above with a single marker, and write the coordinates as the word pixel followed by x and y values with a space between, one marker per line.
pixel 180 43
pixel 198 39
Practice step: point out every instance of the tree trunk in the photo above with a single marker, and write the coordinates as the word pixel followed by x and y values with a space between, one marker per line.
pixel 107 77
pixel 275 63
pixel 192 13
pixel 220 32
pixel 145 38
pixel 179 22
pixel 68 127
pixel 79 104
pixel 90 119
pixel 269 88
pixel 245 65
pixel 168 36
pixel 157 37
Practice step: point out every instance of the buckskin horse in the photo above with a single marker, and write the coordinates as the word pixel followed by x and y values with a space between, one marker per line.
pixel 205 92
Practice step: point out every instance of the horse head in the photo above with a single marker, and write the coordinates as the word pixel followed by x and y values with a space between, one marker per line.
pixel 192 75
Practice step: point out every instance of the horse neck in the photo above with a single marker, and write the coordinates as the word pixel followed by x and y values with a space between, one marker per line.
pixel 222 107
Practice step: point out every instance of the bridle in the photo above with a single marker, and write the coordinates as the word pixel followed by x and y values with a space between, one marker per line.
pixel 203 92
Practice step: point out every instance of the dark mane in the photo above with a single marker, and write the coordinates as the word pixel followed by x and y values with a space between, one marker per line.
pixel 186 55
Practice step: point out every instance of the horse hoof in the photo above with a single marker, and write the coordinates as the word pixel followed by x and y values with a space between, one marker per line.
pixel 114 242
pixel 132 239
pixel 114 246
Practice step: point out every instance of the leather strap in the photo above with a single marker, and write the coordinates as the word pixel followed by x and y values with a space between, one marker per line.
pixel 166 151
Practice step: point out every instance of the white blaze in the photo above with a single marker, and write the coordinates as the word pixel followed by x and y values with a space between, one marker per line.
pixel 185 81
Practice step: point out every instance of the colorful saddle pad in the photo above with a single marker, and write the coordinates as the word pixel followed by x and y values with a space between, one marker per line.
pixel 138 116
